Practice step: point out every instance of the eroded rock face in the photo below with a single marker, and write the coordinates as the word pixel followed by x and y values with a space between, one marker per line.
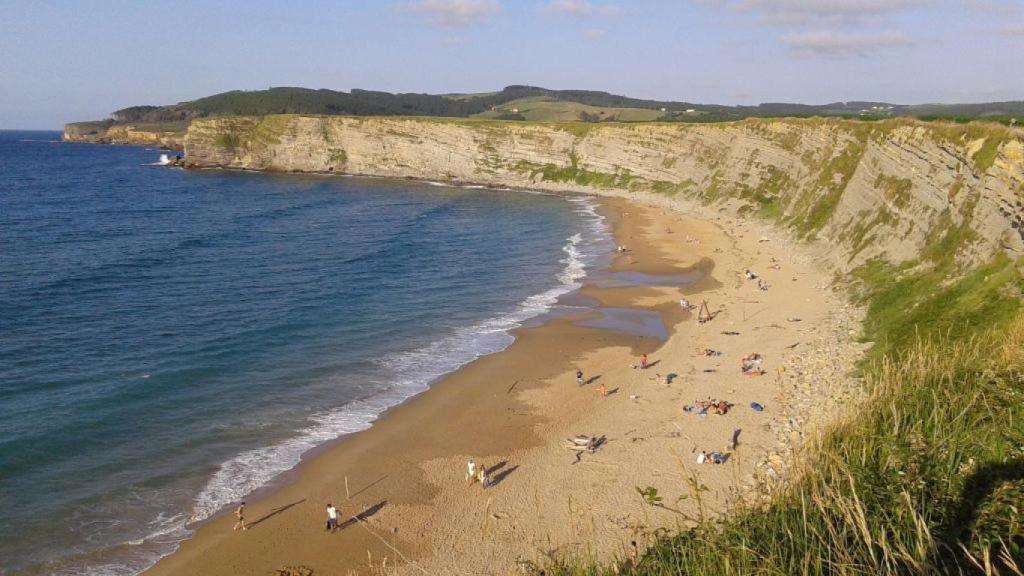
pixel 169 137
pixel 893 189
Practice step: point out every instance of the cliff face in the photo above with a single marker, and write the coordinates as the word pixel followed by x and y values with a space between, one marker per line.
pixel 897 190
pixel 168 135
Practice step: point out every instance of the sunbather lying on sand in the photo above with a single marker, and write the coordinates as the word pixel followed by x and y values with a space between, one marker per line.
pixel 750 275
pixel 713 458
pixel 752 364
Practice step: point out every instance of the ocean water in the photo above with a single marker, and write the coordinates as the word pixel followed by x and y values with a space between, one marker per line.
pixel 171 340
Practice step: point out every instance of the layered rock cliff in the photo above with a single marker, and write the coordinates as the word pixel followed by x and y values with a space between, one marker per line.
pixel 169 136
pixel 897 190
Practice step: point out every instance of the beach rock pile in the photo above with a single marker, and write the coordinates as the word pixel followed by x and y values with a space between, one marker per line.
pixel 818 388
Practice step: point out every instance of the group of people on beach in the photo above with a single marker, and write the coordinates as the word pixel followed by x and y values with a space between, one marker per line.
pixel 712 458
pixel 475 473
pixel 332 518
pixel 719 407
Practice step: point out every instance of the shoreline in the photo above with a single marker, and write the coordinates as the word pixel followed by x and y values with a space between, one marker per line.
pixel 293 475
pixel 406 461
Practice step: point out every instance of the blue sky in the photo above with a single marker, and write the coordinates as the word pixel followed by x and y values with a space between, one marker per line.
pixel 62 61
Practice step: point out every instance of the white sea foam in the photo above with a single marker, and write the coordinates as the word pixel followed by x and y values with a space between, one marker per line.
pixel 411 372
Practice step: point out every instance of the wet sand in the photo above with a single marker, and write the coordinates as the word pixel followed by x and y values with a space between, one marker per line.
pixel 405 477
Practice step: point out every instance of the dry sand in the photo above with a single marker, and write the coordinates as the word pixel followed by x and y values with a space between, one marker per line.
pixel 513 410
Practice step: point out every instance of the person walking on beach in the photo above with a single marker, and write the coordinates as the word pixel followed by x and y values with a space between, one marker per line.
pixel 332 518
pixel 470 471
pixel 579 377
pixel 643 362
pixel 240 514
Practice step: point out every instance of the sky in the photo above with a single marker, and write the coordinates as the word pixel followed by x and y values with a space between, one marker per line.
pixel 64 61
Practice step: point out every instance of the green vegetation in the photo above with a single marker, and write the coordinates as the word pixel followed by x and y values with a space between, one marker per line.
pixel 768 196
pixel 338 157
pixel 88 128
pixel 268 130
pixel 574 174
pixel 897 190
pixel 927 477
pixel 621 178
pixel 860 236
pixel 228 140
pixel 551 109
pixel 174 127
pixel 986 155
pixel 670 188
pixel 832 181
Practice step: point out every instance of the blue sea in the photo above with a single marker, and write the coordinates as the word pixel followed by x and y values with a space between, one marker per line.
pixel 171 340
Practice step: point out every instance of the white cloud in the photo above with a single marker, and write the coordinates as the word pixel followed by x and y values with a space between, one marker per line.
pixel 452 13
pixel 996 7
pixel 832 43
pixel 830 6
pixel 582 8
pixel 822 12
pixel 831 27
pixel 1011 30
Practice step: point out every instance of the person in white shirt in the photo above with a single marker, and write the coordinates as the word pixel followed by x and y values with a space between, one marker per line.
pixel 332 517
pixel 470 471
pixel 702 457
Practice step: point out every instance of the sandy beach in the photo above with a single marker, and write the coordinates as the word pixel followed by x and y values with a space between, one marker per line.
pixel 404 479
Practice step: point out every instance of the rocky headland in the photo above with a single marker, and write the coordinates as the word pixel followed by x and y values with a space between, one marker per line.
pixel 167 136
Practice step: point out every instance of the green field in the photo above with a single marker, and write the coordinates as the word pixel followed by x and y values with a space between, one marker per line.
pixel 546 109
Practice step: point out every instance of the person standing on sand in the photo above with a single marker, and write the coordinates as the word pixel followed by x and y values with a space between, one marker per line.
pixel 579 377
pixel 470 471
pixel 332 518
pixel 643 362
pixel 240 514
